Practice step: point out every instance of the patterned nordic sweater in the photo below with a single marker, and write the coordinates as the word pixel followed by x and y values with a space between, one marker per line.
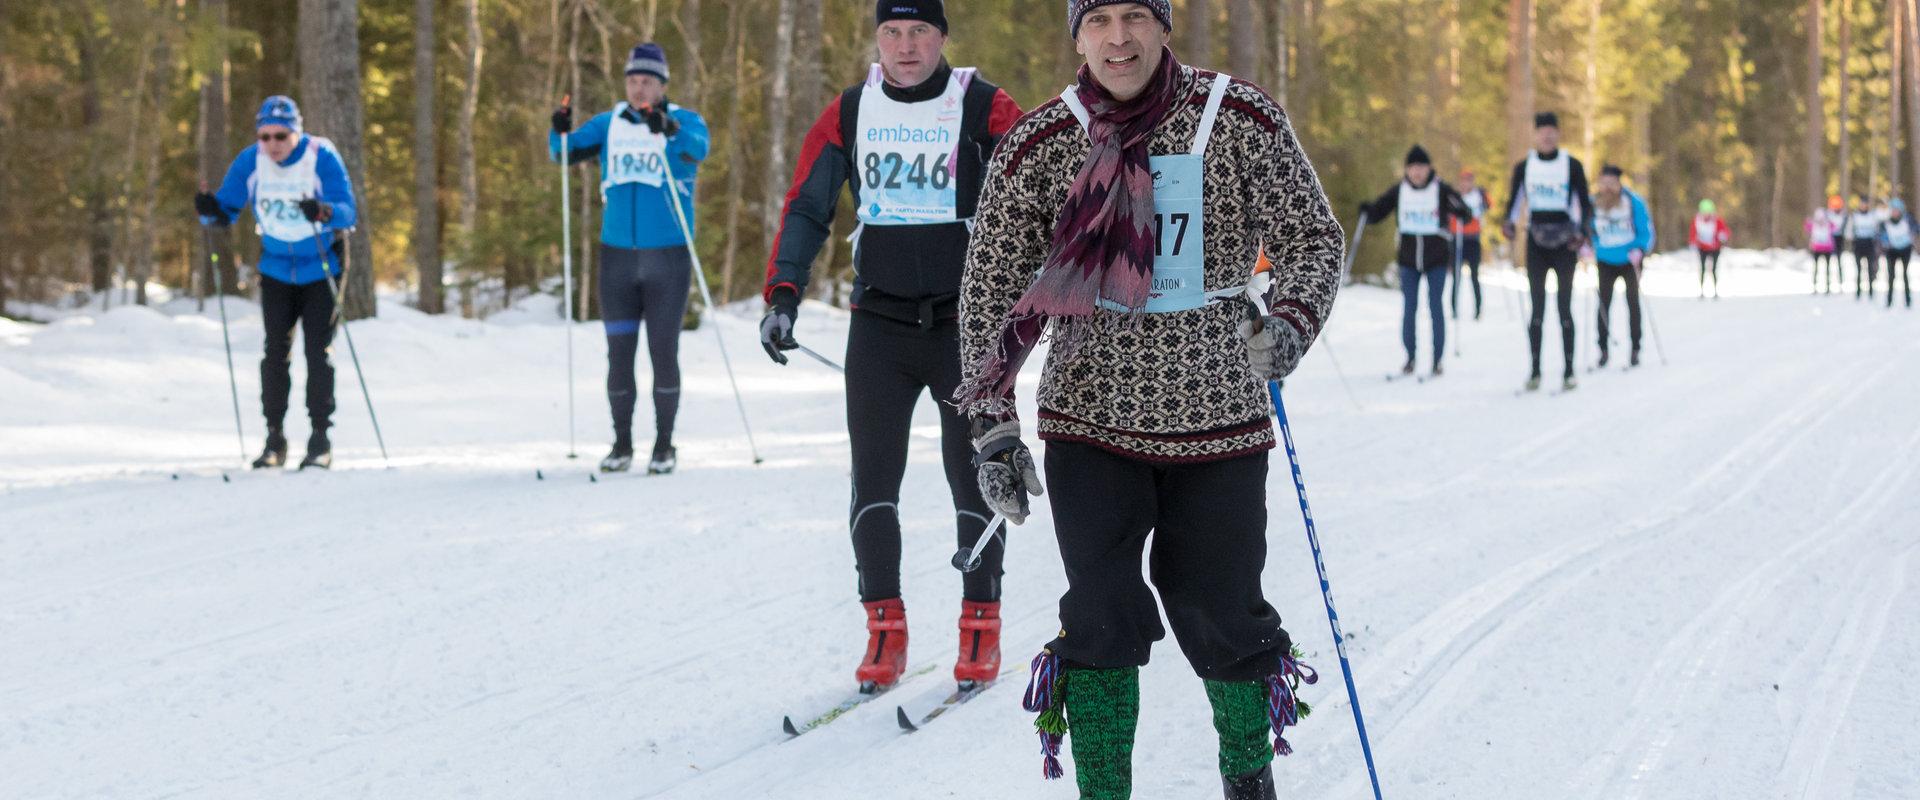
pixel 1175 388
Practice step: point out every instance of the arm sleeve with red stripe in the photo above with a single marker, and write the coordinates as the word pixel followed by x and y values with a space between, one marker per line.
pixel 807 219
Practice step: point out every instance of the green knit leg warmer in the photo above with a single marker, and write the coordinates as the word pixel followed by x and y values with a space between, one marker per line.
pixel 1240 717
pixel 1103 709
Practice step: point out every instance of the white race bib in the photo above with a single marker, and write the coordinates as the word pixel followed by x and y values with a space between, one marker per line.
pixel 904 154
pixel 1614 227
pixel 635 154
pixel 1820 231
pixel 1707 230
pixel 1420 209
pixel 278 190
pixel 1900 233
pixel 1476 201
pixel 1549 183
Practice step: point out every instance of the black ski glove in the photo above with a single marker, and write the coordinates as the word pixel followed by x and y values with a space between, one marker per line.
pixel 316 211
pixel 563 120
pixel 659 121
pixel 208 207
pixel 1004 469
pixel 776 328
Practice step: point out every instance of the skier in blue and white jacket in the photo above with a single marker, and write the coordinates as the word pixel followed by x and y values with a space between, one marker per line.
pixel 298 189
pixel 648 148
pixel 1622 236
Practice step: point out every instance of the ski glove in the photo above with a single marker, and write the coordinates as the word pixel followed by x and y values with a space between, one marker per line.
pixel 1274 347
pixel 776 333
pixel 1005 469
pixel 563 120
pixel 659 121
pixel 316 211
pixel 208 207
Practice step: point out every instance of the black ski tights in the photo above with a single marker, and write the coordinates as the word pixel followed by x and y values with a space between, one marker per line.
pixel 308 306
pixel 1899 268
pixel 644 287
pixel 1866 268
pixel 1608 274
pixel 1561 263
pixel 890 365
pixel 1827 264
pixel 1710 261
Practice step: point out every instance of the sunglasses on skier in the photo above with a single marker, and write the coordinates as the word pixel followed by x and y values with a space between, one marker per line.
pixel 276 136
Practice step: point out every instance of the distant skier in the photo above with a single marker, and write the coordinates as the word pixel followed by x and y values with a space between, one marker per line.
pixel 1424 207
pixel 1863 237
pixel 1823 236
pixel 1552 186
pixel 1153 401
pixel 1467 234
pixel 916 199
pixel 645 264
pixel 294 182
pixel 1623 235
pixel 1896 236
pixel 1707 237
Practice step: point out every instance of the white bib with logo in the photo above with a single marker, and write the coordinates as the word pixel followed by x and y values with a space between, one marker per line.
pixel 1477 202
pixel 1820 231
pixel 635 154
pixel 904 153
pixel 1549 183
pixel 1179 216
pixel 1420 209
pixel 1613 227
pixel 1706 230
pixel 1900 233
pixel 278 190
pixel 1866 224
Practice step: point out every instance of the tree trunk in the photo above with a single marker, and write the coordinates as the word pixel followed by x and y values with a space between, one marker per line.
pixel 736 156
pixel 1200 33
pixel 99 221
pixel 469 108
pixel 1895 35
pixel 1816 112
pixel 1305 19
pixel 1281 59
pixel 329 53
pixel 1846 50
pixel 1243 41
pixel 213 155
pixel 426 163
pixel 1910 42
pixel 778 97
pixel 1774 238
pixel 1519 76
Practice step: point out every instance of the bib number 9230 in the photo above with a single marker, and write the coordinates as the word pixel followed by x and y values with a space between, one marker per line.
pixel 891 171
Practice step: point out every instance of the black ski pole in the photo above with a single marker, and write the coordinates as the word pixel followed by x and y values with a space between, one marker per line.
pixel 339 308
pixel 226 339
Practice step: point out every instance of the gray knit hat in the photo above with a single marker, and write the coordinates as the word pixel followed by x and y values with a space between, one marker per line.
pixel 1076 9
pixel 650 59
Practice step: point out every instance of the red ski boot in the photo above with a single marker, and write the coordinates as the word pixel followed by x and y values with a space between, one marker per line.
pixel 979 644
pixel 886 655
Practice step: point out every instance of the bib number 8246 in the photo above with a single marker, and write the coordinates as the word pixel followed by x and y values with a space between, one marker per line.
pixel 887 172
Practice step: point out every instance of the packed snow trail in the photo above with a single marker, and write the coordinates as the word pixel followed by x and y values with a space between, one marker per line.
pixel 1694 580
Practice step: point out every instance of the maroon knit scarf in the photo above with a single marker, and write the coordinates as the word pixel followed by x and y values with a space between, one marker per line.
pixel 1103 242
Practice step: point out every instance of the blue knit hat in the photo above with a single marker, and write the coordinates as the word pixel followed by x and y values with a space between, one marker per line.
pixel 278 110
pixel 1076 9
pixel 650 59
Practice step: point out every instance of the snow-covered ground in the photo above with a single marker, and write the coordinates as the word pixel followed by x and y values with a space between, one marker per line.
pixel 1696 579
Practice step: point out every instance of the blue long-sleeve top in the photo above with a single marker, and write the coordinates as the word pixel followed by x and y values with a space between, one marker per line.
pixel 296 262
pixel 1643 233
pixel 637 215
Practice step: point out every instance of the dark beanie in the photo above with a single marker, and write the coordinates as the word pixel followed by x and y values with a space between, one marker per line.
pixel 650 59
pixel 1076 9
pixel 1546 119
pixel 1613 170
pixel 1418 155
pixel 932 12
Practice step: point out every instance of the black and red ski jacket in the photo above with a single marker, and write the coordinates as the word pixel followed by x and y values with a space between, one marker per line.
pixel 910 273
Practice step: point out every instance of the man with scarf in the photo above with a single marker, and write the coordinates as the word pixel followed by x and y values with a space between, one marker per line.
pixel 1553 185
pixel 1153 401
pixel 913 140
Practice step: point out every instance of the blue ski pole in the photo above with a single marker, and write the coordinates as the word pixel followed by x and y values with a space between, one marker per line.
pixel 1326 590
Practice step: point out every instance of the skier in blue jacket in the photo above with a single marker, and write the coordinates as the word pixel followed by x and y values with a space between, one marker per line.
pixel 645 261
pixel 1622 236
pixel 298 189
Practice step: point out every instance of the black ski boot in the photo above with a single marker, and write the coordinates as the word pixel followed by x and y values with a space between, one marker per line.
pixel 319 451
pixel 1256 785
pixel 1603 360
pixel 275 455
pixel 619 459
pixel 1437 371
pixel 1408 369
pixel 1634 360
pixel 665 458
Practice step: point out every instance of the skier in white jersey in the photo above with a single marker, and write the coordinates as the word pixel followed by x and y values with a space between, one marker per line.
pixel 1553 186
